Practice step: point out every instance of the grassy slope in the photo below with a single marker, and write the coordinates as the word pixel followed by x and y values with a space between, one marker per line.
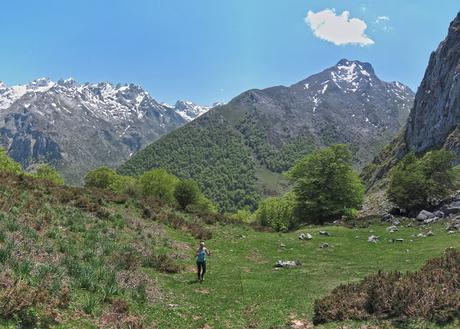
pixel 78 238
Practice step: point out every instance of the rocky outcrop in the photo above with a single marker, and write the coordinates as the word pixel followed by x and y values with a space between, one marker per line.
pixel 434 121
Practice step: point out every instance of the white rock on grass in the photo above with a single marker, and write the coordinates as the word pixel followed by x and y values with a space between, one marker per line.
pixel 392 228
pixel 305 236
pixel 286 263
pixel 372 239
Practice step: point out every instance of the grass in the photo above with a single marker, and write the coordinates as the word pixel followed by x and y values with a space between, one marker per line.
pixel 243 290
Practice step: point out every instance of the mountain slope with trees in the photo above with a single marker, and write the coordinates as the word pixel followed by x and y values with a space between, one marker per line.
pixel 238 151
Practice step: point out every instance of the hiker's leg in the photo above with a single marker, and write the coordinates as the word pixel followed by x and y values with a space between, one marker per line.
pixel 198 270
pixel 203 271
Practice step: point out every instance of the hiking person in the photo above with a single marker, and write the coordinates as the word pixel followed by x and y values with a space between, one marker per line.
pixel 201 254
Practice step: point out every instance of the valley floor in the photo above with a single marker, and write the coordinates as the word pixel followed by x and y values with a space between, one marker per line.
pixel 242 289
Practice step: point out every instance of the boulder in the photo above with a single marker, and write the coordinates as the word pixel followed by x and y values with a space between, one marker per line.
pixel 324 233
pixel 424 215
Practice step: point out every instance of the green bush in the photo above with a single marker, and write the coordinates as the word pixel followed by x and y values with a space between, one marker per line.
pixel 102 177
pixel 126 185
pixel 203 206
pixel 277 213
pixel 325 185
pixel 7 164
pixel 159 184
pixel 243 216
pixel 46 172
pixel 186 193
pixel 418 183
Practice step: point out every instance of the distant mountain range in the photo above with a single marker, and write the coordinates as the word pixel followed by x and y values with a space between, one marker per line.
pixel 434 121
pixel 77 127
pixel 238 151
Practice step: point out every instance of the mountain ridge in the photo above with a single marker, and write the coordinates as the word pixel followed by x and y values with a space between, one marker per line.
pixel 77 127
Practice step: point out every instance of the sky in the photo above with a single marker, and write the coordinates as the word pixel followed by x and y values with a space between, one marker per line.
pixel 210 51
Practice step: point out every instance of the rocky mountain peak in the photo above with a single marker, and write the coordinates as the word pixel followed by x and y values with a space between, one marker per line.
pixel 355 67
pixel 189 111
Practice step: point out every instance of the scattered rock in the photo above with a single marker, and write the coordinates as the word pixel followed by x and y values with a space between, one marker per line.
pixel 430 220
pixel 399 240
pixel 392 228
pixel 451 208
pixel 372 239
pixel 325 233
pixel 282 245
pixel 287 263
pixel 396 222
pixel 421 235
pixel 324 245
pixel 451 232
pixel 454 225
pixel 429 233
pixel 306 236
pixel 439 214
pixel 424 215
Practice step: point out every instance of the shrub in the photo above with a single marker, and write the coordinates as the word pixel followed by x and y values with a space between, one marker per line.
pixel 243 216
pixel 47 172
pixel 325 185
pixel 432 293
pixel 202 206
pixel 7 164
pixel 102 177
pixel 187 193
pixel 125 185
pixel 418 183
pixel 277 213
pixel 159 184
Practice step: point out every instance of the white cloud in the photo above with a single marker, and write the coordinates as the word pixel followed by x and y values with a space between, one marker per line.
pixel 338 29
pixel 382 19
pixel 384 23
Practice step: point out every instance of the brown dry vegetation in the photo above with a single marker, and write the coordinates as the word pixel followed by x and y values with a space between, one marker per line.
pixel 431 293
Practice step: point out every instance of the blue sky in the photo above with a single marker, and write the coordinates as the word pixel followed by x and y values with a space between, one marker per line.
pixel 211 50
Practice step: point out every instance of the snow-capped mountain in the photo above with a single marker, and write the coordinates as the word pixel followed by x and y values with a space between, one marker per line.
pixel 77 126
pixel 188 110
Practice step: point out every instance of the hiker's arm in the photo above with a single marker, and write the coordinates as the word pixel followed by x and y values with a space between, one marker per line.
pixel 197 252
pixel 208 252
